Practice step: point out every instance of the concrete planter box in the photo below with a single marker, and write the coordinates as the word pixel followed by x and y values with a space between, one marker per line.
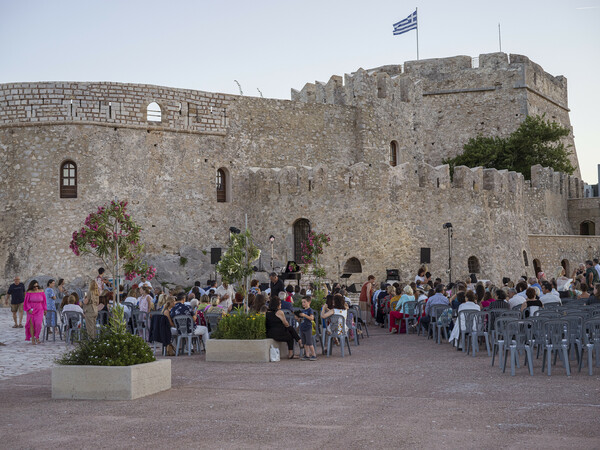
pixel 237 350
pixel 111 382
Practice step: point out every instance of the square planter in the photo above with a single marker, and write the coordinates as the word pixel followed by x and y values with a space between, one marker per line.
pixel 111 382
pixel 237 350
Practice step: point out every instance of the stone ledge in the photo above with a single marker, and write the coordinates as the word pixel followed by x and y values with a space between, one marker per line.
pixel 111 382
pixel 237 350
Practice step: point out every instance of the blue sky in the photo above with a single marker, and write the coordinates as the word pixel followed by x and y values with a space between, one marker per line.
pixel 277 45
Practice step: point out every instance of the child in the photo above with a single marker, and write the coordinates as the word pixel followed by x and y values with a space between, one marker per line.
pixel 306 330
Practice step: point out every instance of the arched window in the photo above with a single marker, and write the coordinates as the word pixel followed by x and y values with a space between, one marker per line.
pixel 473 264
pixel 222 183
pixel 352 266
pixel 525 259
pixel 153 113
pixel 68 180
pixel 587 228
pixel 301 230
pixel 393 153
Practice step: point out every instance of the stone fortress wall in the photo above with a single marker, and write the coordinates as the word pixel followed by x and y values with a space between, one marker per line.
pixel 324 156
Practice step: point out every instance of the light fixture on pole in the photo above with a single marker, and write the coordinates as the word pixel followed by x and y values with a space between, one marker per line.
pixel 272 240
pixel 448 226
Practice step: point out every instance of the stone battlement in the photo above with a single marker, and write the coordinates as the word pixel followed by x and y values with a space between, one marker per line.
pixel 455 74
pixel 112 103
pixel 300 180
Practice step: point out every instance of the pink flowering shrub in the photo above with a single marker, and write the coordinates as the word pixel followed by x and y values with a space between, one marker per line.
pixel 107 229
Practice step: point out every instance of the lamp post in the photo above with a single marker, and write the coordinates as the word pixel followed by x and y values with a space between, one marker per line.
pixel 448 226
pixel 272 241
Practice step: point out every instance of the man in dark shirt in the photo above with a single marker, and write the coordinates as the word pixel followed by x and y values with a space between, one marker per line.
pixel 181 309
pixel 591 276
pixel 276 285
pixel 17 297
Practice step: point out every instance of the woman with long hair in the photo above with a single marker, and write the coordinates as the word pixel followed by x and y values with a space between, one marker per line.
pixel 35 306
pixel 90 309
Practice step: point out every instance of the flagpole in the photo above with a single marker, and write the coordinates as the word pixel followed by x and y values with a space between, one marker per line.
pixel 417 33
pixel 499 38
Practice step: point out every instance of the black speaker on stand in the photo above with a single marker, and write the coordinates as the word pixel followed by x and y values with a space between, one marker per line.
pixel 215 257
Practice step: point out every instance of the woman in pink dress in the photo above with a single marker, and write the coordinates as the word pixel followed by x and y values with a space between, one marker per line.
pixel 35 305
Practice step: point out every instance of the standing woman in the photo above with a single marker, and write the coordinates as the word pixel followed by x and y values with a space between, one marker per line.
pixel 50 304
pixel 145 300
pixel 90 309
pixel 60 292
pixel 35 306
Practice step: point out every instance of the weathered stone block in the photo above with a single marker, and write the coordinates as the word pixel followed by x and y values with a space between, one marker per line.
pixel 111 382
pixel 237 350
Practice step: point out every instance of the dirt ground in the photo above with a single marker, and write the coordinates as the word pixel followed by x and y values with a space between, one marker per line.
pixel 395 391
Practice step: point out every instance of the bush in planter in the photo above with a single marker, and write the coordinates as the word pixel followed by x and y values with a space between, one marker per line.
pixel 241 326
pixel 113 347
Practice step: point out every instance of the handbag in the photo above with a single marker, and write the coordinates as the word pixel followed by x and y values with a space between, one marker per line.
pixel 274 354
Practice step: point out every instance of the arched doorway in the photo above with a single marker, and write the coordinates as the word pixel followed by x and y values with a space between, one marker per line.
pixel 537 266
pixel 301 229
pixel 587 228
pixel 565 265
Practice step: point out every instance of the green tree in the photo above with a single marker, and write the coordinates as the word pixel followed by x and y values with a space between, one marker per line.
pixel 236 263
pixel 536 141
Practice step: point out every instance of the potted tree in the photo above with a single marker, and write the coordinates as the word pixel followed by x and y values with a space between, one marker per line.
pixel 116 365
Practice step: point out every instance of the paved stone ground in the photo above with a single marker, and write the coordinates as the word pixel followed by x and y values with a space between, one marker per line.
pixel 18 357
pixel 393 392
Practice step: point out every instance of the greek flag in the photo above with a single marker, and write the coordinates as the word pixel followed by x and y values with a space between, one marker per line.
pixel 410 23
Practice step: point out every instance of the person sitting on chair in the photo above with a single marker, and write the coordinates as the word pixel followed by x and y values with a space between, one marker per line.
pixel 278 327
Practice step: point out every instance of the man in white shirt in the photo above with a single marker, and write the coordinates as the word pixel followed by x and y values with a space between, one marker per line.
pixel 548 294
pixel 225 288
pixel 143 283
pixel 521 297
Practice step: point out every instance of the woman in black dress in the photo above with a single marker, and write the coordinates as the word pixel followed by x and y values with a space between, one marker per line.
pixel 278 327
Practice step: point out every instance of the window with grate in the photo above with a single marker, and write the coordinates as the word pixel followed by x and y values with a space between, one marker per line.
pixel 68 180
pixel 525 259
pixel 393 154
pixel 221 186
pixel 301 230
pixel 473 264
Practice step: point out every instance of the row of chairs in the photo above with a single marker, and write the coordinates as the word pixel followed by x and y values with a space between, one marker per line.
pixel 553 331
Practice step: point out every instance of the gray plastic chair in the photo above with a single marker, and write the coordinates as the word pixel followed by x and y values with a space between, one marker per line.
pixel 185 331
pixel 591 343
pixel 140 323
pixel 74 323
pixel 557 340
pixel 420 309
pixel 360 324
pixel 518 337
pixel 442 323
pixel 434 312
pixel 409 309
pixel 477 325
pixel 499 338
pixel 462 319
pixel 335 332
pixel 351 324
pixel 212 320
pixel 516 314
pixel 51 318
